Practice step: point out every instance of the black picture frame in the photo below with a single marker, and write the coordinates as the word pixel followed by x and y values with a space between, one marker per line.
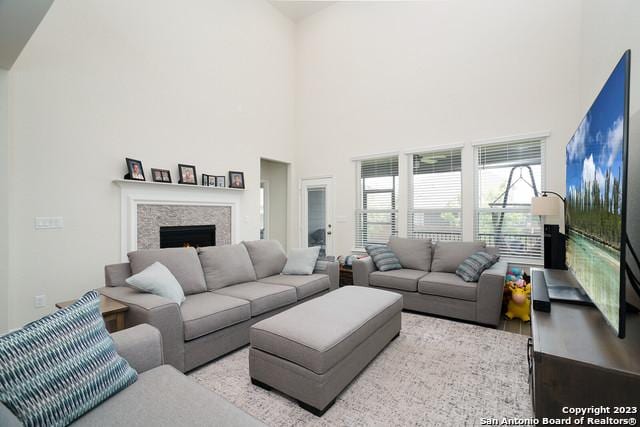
pixel 182 172
pixel 160 175
pixel 212 181
pixel 132 173
pixel 221 181
pixel 205 180
pixel 232 179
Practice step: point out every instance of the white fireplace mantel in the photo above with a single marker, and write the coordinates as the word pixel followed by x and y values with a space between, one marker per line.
pixel 134 193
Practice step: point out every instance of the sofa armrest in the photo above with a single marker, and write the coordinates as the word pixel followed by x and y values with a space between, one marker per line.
pixel 141 346
pixel 361 269
pixel 158 312
pixel 489 296
pixel 331 269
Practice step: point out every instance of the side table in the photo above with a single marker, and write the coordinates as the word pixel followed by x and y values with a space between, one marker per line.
pixel 346 276
pixel 112 311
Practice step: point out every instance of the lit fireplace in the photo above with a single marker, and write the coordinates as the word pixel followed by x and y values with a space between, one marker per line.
pixel 187 235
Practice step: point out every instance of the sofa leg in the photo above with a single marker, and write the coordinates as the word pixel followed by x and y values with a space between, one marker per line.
pixel 261 384
pixel 315 411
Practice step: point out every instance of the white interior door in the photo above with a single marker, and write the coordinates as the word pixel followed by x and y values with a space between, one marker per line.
pixel 317 214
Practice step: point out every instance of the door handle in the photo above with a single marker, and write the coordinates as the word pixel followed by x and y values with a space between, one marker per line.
pixel 329 233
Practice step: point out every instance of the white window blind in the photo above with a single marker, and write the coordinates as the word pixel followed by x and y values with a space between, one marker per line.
pixel 435 195
pixel 508 176
pixel 376 215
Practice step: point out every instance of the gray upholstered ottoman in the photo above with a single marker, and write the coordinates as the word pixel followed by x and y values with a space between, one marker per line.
pixel 311 352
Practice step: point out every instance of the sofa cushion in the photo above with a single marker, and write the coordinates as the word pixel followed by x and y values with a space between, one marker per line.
pixel 301 261
pixel 183 263
pixel 403 279
pixel 226 265
pixel 383 257
pixel 267 256
pixel 414 254
pixel 305 285
pixel 262 296
pixel 472 267
pixel 61 366
pixel 207 312
pixel 447 285
pixel 165 397
pixel 158 280
pixel 447 256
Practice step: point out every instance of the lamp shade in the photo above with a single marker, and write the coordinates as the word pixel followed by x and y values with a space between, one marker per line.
pixel 544 206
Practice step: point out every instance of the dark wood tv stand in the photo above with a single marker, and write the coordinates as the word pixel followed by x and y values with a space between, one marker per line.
pixel 576 360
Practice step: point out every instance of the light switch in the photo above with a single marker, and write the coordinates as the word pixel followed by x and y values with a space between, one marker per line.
pixel 48 222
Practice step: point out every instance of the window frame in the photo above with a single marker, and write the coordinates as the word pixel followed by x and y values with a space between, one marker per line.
pixel 361 209
pixel 528 259
pixel 411 192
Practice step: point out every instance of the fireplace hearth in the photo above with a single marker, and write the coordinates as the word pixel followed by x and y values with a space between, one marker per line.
pixel 187 235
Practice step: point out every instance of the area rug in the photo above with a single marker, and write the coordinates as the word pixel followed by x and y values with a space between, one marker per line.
pixel 437 372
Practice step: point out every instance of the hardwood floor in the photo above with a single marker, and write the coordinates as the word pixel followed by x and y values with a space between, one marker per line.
pixel 515 326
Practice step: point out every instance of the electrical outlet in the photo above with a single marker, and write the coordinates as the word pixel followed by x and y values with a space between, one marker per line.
pixel 40 301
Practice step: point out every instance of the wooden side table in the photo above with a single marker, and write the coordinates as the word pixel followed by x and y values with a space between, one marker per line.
pixel 346 276
pixel 112 311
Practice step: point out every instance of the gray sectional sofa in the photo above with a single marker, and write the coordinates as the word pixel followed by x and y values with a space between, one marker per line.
pixel 429 284
pixel 161 396
pixel 227 288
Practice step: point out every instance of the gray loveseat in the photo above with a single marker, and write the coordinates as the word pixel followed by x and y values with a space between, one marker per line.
pixel 429 284
pixel 228 289
pixel 161 396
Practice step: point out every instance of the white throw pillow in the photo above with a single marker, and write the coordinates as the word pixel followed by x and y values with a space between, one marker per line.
pixel 158 280
pixel 301 261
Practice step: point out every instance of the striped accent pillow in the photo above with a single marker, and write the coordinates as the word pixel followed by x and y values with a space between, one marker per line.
pixel 472 267
pixel 383 257
pixel 57 368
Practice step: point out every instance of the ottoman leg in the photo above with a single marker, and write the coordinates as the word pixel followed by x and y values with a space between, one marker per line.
pixel 260 384
pixel 315 411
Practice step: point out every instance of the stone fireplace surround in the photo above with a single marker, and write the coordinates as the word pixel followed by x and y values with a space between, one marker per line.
pixel 145 206
pixel 151 217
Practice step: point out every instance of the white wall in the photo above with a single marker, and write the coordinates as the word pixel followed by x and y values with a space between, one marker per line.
pixel 277 177
pixel 609 27
pixel 4 200
pixel 208 83
pixel 387 76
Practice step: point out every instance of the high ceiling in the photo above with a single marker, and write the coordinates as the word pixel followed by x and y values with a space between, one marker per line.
pixel 18 20
pixel 298 10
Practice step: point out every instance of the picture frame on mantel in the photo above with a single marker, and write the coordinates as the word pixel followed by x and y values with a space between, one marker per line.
pixel 236 179
pixel 161 175
pixel 135 170
pixel 187 174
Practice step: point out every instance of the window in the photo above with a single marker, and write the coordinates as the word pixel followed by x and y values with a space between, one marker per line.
pixel 435 195
pixel 264 186
pixel 508 176
pixel 376 214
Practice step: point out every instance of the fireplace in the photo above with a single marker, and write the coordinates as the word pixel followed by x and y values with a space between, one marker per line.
pixel 187 235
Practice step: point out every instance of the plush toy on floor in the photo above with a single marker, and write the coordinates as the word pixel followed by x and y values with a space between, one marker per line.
pixel 519 304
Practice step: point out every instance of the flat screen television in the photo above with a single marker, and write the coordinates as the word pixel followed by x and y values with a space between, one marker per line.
pixel 596 197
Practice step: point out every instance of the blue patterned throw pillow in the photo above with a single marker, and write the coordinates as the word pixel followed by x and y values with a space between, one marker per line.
pixel 383 257
pixel 57 368
pixel 472 267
